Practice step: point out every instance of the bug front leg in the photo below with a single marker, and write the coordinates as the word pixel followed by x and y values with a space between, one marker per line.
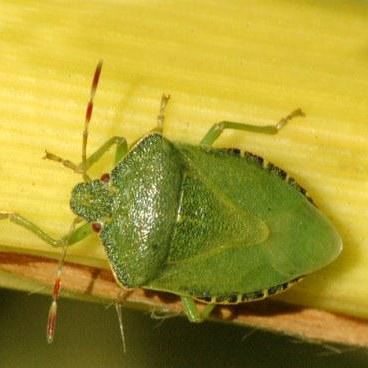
pixel 218 128
pixel 121 150
pixel 87 162
pixel 72 237
pixel 191 310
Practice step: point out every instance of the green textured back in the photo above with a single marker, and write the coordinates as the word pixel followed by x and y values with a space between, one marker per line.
pixel 147 191
pixel 207 259
pixel 200 221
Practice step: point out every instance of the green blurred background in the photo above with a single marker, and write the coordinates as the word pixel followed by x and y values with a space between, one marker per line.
pixel 88 336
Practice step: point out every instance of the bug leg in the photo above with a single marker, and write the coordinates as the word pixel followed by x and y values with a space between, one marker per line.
pixel 69 239
pixel 161 115
pixel 218 128
pixel 82 168
pixel 120 142
pixel 121 150
pixel 191 310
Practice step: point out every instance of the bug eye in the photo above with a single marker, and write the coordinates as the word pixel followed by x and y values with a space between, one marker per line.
pixel 105 177
pixel 96 227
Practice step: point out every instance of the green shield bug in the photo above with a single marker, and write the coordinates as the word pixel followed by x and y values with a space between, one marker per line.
pixel 207 224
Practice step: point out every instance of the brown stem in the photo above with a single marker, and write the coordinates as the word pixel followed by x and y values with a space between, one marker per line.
pixel 306 323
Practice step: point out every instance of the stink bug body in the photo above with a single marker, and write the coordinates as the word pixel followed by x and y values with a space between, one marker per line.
pixel 206 224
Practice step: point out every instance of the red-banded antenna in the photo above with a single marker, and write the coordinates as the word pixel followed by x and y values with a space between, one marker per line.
pixel 51 320
pixel 89 110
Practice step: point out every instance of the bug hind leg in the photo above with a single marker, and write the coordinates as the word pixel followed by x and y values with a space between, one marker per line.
pixel 192 312
pixel 218 128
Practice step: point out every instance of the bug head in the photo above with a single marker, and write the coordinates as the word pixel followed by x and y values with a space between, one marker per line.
pixel 92 200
